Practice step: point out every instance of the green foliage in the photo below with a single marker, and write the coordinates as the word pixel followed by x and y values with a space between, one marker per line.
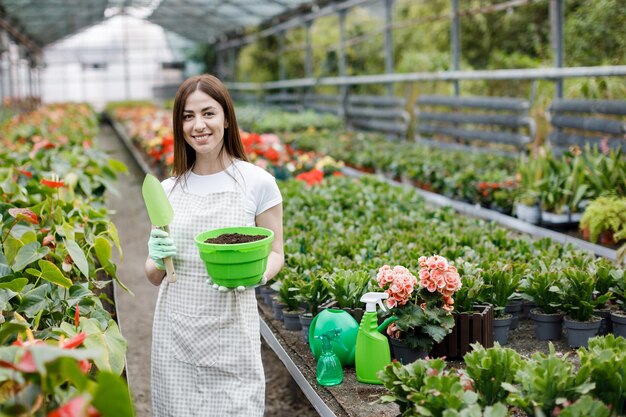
pixel 544 382
pixel 577 293
pixel 53 372
pixel 412 387
pixel 489 368
pixel 314 293
pixel 605 214
pixel 469 293
pixel 595 33
pixel 605 363
pixel 586 406
pixel 273 120
pixel 204 53
pixel 606 275
pixel 422 328
pixel 619 288
pixel 347 287
pixel 501 281
pixel 289 288
pixel 544 289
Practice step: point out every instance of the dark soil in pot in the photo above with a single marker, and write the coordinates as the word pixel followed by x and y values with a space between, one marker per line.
pixel 234 238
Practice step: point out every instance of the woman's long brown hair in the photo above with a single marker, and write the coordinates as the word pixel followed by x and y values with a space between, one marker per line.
pixel 184 155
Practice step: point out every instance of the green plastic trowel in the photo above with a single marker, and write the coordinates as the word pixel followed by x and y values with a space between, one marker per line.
pixel 160 213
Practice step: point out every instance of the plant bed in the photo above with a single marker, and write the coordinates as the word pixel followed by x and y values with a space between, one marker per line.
pixel 475 327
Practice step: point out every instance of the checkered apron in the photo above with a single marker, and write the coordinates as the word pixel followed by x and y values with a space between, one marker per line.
pixel 206 347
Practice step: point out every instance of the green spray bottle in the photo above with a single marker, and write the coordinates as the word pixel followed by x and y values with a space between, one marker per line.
pixel 372 347
pixel 329 371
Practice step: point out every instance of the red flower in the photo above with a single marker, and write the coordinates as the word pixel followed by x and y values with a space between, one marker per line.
pixel 312 177
pixel 272 154
pixel 24 214
pixel 25 365
pixel 77 316
pixel 74 341
pixel 52 183
pixel 76 407
pixel 25 173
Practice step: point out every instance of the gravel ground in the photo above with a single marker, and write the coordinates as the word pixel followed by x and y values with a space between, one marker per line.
pixel 135 312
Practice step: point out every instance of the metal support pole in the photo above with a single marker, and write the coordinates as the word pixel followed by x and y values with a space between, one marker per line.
pixel 233 63
pixel 10 71
pixel 31 65
pixel 389 67
pixel 343 90
pixel 308 58
pixel 281 61
pixel 556 29
pixel 455 44
pixel 126 41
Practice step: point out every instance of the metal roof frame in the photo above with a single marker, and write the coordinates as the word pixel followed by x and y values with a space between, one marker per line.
pixel 38 23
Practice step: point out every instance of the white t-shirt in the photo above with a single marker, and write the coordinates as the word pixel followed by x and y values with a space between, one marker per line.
pixel 257 185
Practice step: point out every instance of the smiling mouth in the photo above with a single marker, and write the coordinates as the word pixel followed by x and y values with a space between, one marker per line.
pixel 200 138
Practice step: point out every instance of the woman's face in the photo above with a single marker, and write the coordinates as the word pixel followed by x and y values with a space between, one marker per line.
pixel 203 123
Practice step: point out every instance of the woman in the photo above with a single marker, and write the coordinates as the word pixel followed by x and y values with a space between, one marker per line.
pixel 206 354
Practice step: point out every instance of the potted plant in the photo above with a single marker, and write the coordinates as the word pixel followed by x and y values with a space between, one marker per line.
pixel 500 284
pixel 545 382
pixel 427 388
pixel 471 315
pixel 605 219
pixel 553 193
pixel 606 276
pixel 579 303
pixel 347 287
pixel 312 293
pixel 618 318
pixel 489 368
pixel 603 361
pixel 527 201
pixel 289 287
pixel 544 289
pixel 423 308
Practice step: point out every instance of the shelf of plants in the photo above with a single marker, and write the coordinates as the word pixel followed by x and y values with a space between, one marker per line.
pixel 61 348
pixel 341 232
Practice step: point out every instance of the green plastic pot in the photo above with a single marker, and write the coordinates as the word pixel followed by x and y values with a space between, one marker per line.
pixel 239 264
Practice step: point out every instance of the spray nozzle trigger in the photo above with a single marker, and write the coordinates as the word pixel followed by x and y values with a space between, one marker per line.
pixel 372 298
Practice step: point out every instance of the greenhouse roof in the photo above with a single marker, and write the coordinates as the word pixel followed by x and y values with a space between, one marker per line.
pixel 203 20
pixel 37 23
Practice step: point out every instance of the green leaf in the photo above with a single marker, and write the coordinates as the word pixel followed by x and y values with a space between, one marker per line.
pixel 103 251
pixel 50 272
pixel 77 293
pixel 117 166
pixel 112 231
pixel 29 254
pixel 44 354
pixel 34 301
pixel 16 285
pixel 5 269
pixel 78 256
pixel 8 329
pixel 112 397
pixel 72 372
pixel 111 342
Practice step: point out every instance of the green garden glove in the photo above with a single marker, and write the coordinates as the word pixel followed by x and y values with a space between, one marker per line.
pixel 160 246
